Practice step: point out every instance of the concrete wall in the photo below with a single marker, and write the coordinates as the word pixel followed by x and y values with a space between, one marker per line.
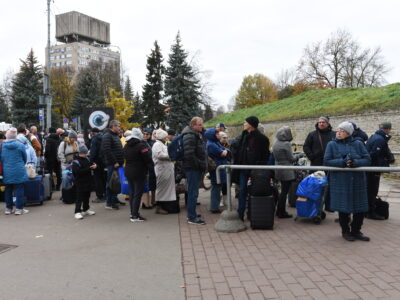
pixel 300 128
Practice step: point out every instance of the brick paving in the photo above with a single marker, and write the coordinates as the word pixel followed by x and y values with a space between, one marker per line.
pixel 296 260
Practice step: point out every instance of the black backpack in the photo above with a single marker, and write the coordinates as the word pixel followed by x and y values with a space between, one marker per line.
pixel 261 183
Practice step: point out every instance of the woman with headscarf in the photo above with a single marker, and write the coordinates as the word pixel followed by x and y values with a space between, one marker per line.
pixel 348 190
pixel 164 170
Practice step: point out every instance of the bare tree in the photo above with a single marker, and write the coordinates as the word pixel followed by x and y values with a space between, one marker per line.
pixel 340 62
pixel 285 78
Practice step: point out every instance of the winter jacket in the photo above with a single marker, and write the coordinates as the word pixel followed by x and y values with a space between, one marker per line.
pixel 283 154
pixel 13 157
pixel 112 149
pixel 51 149
pixel 360 134
pixel 315 147
pixel 30 152
pixel 214 150
pixel 378 149
pixel 194 150
pixel 348 190
pixel 67 152
pixel 82 174
pixel 95 149
pixel 253 149
pixel 36 145
pixel 138 159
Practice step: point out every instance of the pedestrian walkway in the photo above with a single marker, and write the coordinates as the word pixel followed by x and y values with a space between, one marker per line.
pixel 297 260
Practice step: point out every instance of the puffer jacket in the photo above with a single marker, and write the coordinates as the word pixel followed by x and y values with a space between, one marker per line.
pixel 283 154
pixel 112 149
pixel 315 144
pixel 378 149
pixel 138 159
pixel 194 150
pixel 13 157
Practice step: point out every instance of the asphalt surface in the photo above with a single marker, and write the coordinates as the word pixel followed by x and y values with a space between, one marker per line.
pixel 100 257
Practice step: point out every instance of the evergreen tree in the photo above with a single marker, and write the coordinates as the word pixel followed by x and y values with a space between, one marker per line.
pixel 208 113
pixel 137 116
pixel 128 92
pixel 26 88
pixel 86 94
pixel 182 88
pixel 151 106
pixel 4 111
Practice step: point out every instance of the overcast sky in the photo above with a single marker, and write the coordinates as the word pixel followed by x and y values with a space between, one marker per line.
pixel 232 39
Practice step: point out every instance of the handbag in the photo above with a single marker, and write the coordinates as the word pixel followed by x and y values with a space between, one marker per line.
pixel 30 171
pixel 115 183
pixel 212 166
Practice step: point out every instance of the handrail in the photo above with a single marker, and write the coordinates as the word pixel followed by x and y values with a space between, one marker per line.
pixel 229 221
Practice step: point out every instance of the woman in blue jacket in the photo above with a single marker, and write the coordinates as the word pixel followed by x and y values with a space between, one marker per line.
pixel 218 154
pixel 13 157
pixel 348 190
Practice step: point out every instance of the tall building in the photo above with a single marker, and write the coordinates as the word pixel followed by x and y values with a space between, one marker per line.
pixel 83 39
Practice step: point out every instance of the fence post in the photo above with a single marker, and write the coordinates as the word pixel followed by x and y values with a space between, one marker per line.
pixel 229 220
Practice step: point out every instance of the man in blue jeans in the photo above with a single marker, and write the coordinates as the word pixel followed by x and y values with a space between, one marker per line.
pixel 113 156
pixel 194 164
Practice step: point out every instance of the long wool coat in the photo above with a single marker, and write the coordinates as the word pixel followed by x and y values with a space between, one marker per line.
pixel 348 190
pixel 164 170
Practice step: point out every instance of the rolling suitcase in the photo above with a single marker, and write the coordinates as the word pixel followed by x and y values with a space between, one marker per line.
pixel 69 196
pixel 262 212
pixel 34 190
pixel 47 187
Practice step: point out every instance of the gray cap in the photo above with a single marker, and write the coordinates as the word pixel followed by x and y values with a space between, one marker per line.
pixel 83 149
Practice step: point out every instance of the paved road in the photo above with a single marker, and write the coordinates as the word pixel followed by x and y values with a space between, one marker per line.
pixel 100 257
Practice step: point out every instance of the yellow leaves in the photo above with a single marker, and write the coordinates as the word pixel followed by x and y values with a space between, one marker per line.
pixel 123 109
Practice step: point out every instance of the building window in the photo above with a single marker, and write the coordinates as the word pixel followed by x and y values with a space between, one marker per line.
pixel 68 48
pixel 51 57
pixel 68 55
pixel 69 62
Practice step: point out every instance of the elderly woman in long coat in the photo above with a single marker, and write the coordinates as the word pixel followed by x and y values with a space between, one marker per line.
pixel 348 190
pixel 164 169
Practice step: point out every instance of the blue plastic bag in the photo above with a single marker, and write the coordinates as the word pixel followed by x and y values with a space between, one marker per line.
pixel 311 187
pixel 308 208
pixel 125 189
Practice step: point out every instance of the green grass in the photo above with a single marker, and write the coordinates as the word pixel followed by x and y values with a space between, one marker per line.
pixel 316 103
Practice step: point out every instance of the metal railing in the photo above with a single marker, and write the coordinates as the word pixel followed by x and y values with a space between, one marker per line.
pixel 229 220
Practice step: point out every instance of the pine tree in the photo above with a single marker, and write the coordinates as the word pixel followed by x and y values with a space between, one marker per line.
pixel 182 89
pixel 152 90
pixel 27 85
pixel 4 111
pixel 137 116
pixel 86 94
pixel 128 92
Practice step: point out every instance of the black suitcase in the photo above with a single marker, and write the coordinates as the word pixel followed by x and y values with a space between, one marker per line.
pixel 69 196
pixel 260 183
pixel 382 208
pixel 262 212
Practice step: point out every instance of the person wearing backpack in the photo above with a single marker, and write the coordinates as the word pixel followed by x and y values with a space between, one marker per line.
pixel 82 172
pixel 194 164
pixel 98 173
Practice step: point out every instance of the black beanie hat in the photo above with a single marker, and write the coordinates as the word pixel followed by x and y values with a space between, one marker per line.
pixel 52 130
pixel 253 121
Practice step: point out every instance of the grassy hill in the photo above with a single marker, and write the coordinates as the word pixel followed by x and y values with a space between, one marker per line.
pixel 317 103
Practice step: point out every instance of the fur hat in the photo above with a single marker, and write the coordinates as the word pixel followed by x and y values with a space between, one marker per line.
pixel 253 121
pixel 160 134
pixel 347 126
pixel 11 133
pixel 83 149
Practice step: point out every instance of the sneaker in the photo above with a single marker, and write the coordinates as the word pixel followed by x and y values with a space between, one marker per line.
pixel 88 212
pixel 78 216
pixel 198 216
pixel 8 211
pixel 196 222
pixel 21 211
pixel 137 219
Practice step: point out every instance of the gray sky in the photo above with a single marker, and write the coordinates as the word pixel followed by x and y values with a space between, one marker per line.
pixel 232 39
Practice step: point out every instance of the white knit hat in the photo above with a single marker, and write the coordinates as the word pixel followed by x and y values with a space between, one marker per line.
pixel 160 134
pixel 347 126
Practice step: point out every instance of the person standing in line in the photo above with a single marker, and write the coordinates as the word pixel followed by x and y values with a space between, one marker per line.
pixel 252 149
pixel 138 159
pixel 152 182
pixel 13 158
pixel 348 189
pixel 113 159
pixel 381 156
pixel 82 169
pixel 96 157
pixel 50 154
pixel 68 149
pixel 194 164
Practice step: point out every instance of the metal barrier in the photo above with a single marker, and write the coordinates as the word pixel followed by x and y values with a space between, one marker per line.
pixel 229 220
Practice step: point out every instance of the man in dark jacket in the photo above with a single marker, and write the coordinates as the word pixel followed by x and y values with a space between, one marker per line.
pixel 51 158
pixel 253 149
pixel 316 141
pixel 359 133
pixel 138 161
pixel 381 156
pixel 96 157
pixel 194 164
pixel 113 157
